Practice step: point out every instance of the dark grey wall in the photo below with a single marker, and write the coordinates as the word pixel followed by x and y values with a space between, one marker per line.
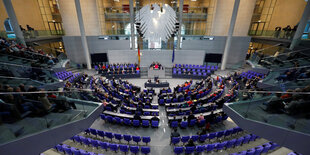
pixel 191 52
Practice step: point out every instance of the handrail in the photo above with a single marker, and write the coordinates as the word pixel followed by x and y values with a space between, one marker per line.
pixel 3 63
pixel 290 68
pixel 288 53
pixel 18 78
pixel 268 47
pixel 17 57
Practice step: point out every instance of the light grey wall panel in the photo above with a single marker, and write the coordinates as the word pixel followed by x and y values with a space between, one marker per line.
pixel 237 53
pixel 193 51
pixel 74 48
pixel 164 57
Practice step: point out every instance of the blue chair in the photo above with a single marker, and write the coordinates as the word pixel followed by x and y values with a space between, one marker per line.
pixel 239 141
pixel 178 150
pixel 155 124
pixel 87 131
pixel 124 148
pixel 251 151
pixel 95 143
pixel 67 150
pixel 127 121
pixel 199 149
pixel 127 138
pixel 189 150
pixel 202 123
pixel 146 140
pixel 85 141
pixel 59 148
pixel 230 143
pixel 93 131
pixel 145 123
pixel 75 151
pixel 258 150
pixel 118 120
pixel 246 139
pixel 185 139
pixel 174 124
pixel 184 124
pixel 136 139
pixel 102 116
pixel 203 138
pixel 209 147
pixel 267 147
pixel 219 134
pixel 273 145
pixel 113 147
pixel 175 140
pixel 83 152
pixel 109 135
pixel 220 146
pixel 101 133
pixel 104 145
pixel 192 122
pixel 134 149
pixel 195 138
pixel 227 132
pixel 118 136
pixel 145 150
pixel 136 123
pixel 161 102
pixel 212 135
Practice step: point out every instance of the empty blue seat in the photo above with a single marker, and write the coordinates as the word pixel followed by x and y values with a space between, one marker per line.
pixel 127 121
pixel 146 140
pixel 212 135
pixel 95 143
pixel 102 116
pixel 145 123
pixel 118 137
pixel 202 138
pixel 101 133
pixel 230 143
pixel 124 148
pixel 246 139
pixel 145 150
pixel 175 140
pixel 118 120
pixel 250 151
pixel 202 123
pixel 267 147
pixel 190 149
pixel 185 139
pixel 195 138
pixel 136 123
pixel 127 138
pixel 109 135
pixel 178 150
pixel 239 141
pixel 155 124
pixel 209 147
pixel 258 150
pixel 174 124
pixel 220 146
pixel 114 147
pixel 192 122
pixel 104 145
pixel 219 134
pixel 134 149
pixel 200 149
pixel 136 139
pixel 184 124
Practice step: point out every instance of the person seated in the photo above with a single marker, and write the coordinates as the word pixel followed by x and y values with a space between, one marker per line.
pixel 137 117
pixel 191 117
pixel 154 118
pixel 175 133
pixel 190 143
pixel 200 117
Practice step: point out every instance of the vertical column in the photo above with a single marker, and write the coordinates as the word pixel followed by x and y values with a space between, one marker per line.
pixel 180 21
pixel 230 33
pixel 301 26
pixel 132 21
pixel 82 31
pixel 11 13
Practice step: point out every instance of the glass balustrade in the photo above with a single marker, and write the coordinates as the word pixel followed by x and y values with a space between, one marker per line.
pixel 25 113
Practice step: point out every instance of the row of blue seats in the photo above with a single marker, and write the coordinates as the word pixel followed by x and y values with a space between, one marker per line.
pixel 265 148
pixel 63 75
pixel 216 146
pixel 117 136
pixel 146 113
pixel 196 66
pixel 210 136
pixel 126 121
pixel 182 99
pixel 66 149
